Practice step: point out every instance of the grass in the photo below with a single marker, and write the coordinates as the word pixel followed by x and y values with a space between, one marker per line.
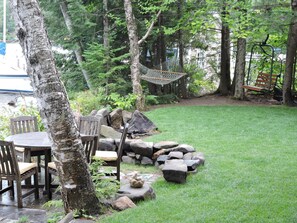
pixel 249 174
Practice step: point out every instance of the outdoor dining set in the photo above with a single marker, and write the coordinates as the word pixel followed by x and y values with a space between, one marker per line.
pixel 26 142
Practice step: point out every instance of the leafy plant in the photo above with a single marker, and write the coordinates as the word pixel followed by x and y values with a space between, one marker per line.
pixel 151 100
pixel 55 208
pixel 105 187
pixel 86 101
pixel 82 214
pixel 23 219
pixel 115 100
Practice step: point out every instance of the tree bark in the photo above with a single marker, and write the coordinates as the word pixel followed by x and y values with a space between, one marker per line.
pixel 183 81
pixel 225 81
pixel 77 188
pixel 290 58
pixel 134 54
pixel 106 41
pixel 239 68
pixel 78 49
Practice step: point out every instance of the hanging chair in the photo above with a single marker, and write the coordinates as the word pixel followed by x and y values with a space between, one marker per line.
pixel 159 77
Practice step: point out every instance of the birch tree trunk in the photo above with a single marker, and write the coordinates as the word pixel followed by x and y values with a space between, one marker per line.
pixel 290 58
pixel 76 185
pixel 239 68
pixel 134 54
pixel 78 49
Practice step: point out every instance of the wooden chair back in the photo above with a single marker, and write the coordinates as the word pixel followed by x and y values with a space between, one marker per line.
pixel 23 124
pixel 89 125
pixel 89 145
pixel 8 164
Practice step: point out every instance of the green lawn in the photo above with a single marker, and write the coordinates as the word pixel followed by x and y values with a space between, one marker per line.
pixel 250 173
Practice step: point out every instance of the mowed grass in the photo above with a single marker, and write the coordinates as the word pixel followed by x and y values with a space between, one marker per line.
pixel 250 174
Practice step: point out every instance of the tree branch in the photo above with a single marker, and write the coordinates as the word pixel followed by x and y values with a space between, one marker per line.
pixel 149 29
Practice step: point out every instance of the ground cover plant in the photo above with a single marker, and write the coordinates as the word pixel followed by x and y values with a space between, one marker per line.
pixel 250 169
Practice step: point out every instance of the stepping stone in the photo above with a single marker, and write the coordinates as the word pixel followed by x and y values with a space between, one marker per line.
pixel 175 171
pixel 137 194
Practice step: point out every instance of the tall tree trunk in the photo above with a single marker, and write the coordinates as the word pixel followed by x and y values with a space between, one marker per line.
pixel 78 49
pixel 106 39
pixel 134 54
pixel 290 57
pixel 225 81
pixel 77 188
pixel 182 82
pixel 239 68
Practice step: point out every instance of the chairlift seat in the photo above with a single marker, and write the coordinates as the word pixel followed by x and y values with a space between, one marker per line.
pixel 264 82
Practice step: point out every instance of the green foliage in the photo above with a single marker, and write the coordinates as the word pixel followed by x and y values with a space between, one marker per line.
pixel 82 214
pixel 124 102
pixel 105 187
pixel 86 101
pixel 7 113
pixel 55 210
pixel 167 99
pixel 151 100
pixel 105 68
pixel 23 219
pixel 198 82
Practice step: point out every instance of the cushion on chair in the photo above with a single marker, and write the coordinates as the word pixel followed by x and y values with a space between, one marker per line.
pixel 24 167
pixel 19 149
pixel 52 165
pixel 106 155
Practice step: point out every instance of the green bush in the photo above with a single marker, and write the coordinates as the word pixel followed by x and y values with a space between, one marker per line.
pixel 198 81
pixel 151 100
pixel 115 100
pixel 86 101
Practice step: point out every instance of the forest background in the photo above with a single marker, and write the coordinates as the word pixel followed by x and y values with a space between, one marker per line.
pixel 200 38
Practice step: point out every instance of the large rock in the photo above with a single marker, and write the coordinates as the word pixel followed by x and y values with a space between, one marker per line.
pixel 140 124
pixel 106 144
pixel 142 148
pixel 199 156
pixel 165 145
pixel 192 164
pixel 116 118
pixel 161 159
pixel 127 147
pixel 137 194
pixel 175 171
pixel 128 159
pixel 184 148
pixel 126 116
pixel 103 114
pixel 109 132
pixel 123 203
pixel 146 161
pixel 175 155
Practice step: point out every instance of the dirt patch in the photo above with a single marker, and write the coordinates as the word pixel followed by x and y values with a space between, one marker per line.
pixel 214 99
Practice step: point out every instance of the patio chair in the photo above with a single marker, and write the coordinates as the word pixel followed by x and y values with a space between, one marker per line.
pixel 89 145
pixel 23 124
pixel 89 125
pixel 11 170
pixel 113 158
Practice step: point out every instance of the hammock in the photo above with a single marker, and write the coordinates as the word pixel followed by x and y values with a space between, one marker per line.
pixel 160 77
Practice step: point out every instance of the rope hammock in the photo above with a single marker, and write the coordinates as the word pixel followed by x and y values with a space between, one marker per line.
pixel 160 77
